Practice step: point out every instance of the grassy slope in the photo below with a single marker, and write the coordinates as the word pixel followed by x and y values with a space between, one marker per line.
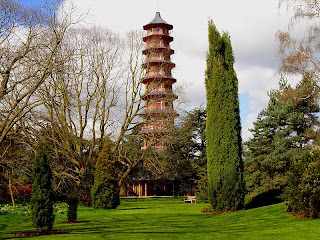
pixel 172 219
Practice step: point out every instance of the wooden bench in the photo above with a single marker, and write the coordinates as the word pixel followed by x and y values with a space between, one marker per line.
pixel 190 199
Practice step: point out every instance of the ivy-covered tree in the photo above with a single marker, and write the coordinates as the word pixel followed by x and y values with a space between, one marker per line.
pixel 282 134
pixel 105 191
pixel 42 195
pixel 223 127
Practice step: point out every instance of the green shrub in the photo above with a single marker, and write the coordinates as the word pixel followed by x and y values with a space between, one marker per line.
pixel 208 209
pixel 105 191
pixel 303 191
pixel 72 201
pixel 106 195
pixel 201 189
pixel 41 204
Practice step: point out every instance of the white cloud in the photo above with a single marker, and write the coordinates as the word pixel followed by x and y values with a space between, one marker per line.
pixel 256 81
pixel 248 124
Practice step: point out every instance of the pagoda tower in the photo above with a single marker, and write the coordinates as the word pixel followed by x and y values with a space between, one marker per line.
pixel 158 99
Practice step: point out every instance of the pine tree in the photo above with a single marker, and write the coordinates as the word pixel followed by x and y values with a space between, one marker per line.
pixel 282 135
pixel 105 191
pixel 42 195
pixel 223 128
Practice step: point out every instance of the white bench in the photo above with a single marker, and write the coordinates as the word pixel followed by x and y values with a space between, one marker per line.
pixel 190 199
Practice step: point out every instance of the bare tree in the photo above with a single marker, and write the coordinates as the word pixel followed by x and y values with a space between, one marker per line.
pixel 78 98
pixel 299 53
pixel 93 94
pixel 29 42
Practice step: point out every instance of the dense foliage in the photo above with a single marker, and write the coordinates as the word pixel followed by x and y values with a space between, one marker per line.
pixel 223 131
pixel 201 190
pixel 185 150
pixel 282 134
pixel 105 190
pixel 42 195
pixel 178 163
pixel 303 191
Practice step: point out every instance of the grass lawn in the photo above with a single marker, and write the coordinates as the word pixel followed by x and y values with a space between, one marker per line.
pixel 170 218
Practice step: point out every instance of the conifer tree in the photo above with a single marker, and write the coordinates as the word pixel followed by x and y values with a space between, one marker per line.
pixel 223 129
pixel 105 192
pixel 283 133
pixel 42 194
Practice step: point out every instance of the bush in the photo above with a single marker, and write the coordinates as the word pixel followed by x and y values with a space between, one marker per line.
pixel 106 195
pixel 23 193
pixel 42 195
pixel 105 191
pixel 201 189
pixel 208 209
pixel 72 201
pixel 303 191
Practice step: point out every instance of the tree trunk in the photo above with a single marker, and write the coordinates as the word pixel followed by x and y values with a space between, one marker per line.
pixel 125 175
pixel 11 192
pixel 135 163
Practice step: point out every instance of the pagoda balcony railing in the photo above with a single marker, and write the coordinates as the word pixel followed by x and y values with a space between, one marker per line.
pixel 157 58
pixel 157 74
pixel 152 127
pixel 153 45
pixel 158 109
pixel 164 94
pixel 157 32
pixel 156 90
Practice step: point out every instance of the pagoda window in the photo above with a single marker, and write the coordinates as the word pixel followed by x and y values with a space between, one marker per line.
pixel 159 88
pixel 159 124
pixel 168 86
pixel 159 105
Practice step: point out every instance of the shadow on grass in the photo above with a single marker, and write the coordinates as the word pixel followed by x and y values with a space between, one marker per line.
pixel 158 220
pixel 128 209
pixel 3 226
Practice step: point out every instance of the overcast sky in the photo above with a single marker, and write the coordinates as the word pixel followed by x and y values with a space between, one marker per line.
pixel 252 25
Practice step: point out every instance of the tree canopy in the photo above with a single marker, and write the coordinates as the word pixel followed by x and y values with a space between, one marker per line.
pixel 282 134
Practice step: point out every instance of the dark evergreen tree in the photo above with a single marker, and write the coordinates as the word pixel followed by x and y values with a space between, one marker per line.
pixel 72 201
pixel 105 191
pixel 42 195
pixel 223 128
pixel 282 134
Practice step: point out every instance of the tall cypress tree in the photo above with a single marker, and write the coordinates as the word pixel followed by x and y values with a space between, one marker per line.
pixel 223 128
